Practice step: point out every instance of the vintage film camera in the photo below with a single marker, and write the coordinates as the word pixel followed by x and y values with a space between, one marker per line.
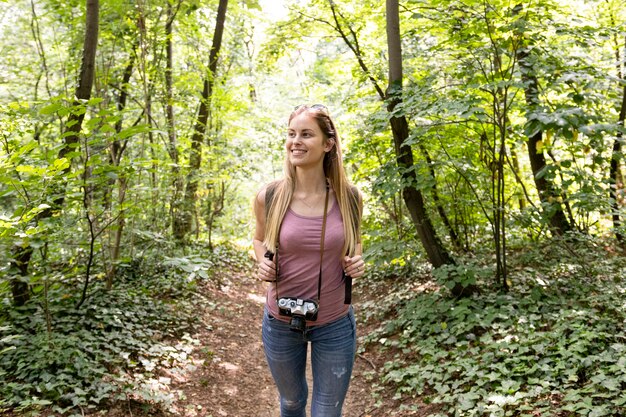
pixel 299 310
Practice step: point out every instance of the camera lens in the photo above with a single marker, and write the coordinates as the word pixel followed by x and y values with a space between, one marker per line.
pixel 297 324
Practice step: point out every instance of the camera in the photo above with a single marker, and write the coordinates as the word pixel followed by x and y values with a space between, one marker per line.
pixel 299 310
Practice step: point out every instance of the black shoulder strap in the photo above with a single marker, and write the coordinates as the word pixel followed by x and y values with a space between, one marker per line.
pixel 355 204
pixel 269 198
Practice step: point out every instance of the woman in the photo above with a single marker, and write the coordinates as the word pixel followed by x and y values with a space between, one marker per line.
pixel 307 241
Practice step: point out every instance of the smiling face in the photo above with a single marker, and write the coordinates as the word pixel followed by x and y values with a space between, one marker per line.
pixel 306 145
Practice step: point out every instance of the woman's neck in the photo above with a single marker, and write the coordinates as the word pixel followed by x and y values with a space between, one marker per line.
pixel 310 182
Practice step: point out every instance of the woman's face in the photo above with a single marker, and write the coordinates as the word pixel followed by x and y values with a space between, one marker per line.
pixel 306 144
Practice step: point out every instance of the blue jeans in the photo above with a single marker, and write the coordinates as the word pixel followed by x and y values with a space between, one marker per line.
pixel 333 349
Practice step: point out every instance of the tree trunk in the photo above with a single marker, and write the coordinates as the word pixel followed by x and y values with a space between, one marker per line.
pixel 515 167
pixel 115 157
pixel 437 254
pixel 177 182
pixel 23 254
pixel 454 237
pixel 548 193
pixel 614 172
pixel 184 220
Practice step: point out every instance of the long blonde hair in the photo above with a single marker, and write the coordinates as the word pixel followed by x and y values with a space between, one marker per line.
pixel 348 198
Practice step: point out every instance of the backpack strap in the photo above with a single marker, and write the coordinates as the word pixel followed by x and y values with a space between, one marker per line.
pixel 355 205
pixel 269 198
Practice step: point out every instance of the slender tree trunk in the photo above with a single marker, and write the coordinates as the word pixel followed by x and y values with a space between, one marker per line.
pixel 454 237
pixel 615 174
pixel 500 198
pixel 183 226
pixel 85 81
pixel 413 198
pixel 116 151
pixel 515 167
pixel 547 193
pixel 22 254
pixel 616 156
pixel 117 239
pixel 177 181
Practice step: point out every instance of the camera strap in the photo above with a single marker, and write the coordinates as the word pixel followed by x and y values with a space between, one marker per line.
pixel 319 282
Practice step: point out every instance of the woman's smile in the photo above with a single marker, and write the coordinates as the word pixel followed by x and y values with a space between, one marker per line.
pixel 298 151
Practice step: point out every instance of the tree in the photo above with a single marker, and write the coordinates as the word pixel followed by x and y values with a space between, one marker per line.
pixel 413 198
pixel 169 115
pixel 22 251
pixel 548 193
pixel 615 173
pixel 183 221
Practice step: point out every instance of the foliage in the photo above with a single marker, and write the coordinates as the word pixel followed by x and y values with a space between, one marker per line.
pixel 553 345
pixel 114 346
pixel 463 94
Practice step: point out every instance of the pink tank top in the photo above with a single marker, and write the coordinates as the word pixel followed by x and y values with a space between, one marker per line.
pixel 299 263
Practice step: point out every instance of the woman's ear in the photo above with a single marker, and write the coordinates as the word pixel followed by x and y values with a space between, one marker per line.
pixel 330 144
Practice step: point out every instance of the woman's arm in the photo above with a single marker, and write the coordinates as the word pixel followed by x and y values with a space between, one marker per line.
pixel 355 266
pixel 266 270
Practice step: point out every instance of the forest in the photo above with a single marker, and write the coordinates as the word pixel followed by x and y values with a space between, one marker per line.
pixel 487 138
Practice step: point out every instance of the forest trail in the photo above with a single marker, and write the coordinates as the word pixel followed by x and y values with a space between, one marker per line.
pixel 231 377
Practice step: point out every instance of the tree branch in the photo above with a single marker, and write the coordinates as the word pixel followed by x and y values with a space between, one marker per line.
pixel 355 49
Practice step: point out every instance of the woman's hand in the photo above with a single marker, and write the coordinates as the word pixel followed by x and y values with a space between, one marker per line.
pixel 266 270
pixel 354 266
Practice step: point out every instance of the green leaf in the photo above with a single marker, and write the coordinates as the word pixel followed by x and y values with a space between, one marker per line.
pixel 50 108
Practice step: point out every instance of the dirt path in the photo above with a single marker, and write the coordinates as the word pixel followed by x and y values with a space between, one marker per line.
pixel 233 378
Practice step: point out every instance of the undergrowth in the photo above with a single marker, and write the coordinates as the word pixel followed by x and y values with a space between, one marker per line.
pixel 69 360
pixel 555 344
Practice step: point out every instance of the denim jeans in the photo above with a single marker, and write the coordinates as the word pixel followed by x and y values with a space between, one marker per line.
pixel 333 349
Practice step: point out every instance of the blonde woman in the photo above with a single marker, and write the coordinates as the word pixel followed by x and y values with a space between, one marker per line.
pixel 308 246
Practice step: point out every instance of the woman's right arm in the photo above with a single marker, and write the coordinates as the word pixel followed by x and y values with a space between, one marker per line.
pixel 266 270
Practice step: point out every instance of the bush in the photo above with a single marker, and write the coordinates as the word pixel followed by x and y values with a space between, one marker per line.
pixel 110 348
pixel 553 345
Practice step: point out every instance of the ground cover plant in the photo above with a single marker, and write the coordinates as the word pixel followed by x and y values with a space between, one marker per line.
pixel 116 345
pixel 553 345
pixel 486 137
